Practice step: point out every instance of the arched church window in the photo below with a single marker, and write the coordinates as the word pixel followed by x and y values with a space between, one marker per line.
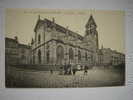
pixel 33 59
pixel 92 58
pixel 79 55
pixel 23 57
pixel 39 56
pixel 48 57
pixel 39 39
pixel 86 56
pixel 71 55
pixel 23 51
pixel 60 54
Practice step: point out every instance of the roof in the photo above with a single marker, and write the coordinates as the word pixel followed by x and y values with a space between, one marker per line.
pixel 10 40
pixel 57 27
pixel 24 46
pixel 91 21
pixel 100 52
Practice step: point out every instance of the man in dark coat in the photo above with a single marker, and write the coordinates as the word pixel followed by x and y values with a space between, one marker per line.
pixel 74 69
pixel 65 69
pixel 85 70
pixel 69 69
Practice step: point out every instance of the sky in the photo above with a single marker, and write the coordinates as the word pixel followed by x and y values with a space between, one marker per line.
pixel 110 24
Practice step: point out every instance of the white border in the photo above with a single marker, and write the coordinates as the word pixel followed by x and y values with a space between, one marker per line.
pixel 102 93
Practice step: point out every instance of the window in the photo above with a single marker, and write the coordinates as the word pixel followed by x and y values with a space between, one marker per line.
pixel 39 56
pixel 79 55
pixel 71 55
pixel 33 59
pixel 39 39
pixel 23 57
pixel 23 51
pixel 92 58
pixel 48 57
pixel 86 56
pixel 60 54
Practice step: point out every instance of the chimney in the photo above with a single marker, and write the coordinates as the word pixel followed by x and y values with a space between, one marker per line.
pixel 32 41
pixel 53 19
pixel 38 17
pixel 53 23
pixel 102 46
pixel 67 30
pixel 16 38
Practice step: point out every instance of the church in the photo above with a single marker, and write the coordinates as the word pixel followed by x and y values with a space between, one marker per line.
pixel 54 44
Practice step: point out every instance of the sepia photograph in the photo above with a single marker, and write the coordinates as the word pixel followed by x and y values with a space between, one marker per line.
pixel 64 48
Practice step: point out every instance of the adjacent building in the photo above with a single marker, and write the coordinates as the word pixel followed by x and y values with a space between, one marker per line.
pixel 16 53
pixel 24 54
pixel 107 57
pixel 117 58
pixel 11 51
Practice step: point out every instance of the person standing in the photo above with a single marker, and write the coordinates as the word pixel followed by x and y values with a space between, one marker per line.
pixel 74 69
pixel 51 71
pixel 61 70
pixel 65 69
pixel 70 69
pixel 85 70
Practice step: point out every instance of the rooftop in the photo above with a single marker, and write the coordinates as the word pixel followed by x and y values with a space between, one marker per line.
pixel 57 27
pixel 10 40
pixel 24 46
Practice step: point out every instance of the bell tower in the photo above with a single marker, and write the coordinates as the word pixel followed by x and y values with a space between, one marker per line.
pixel 91 32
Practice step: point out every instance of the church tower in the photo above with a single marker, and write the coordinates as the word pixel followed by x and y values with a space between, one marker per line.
pixel 91 33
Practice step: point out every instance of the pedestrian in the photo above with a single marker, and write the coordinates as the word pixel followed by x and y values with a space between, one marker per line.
pixel 85 70
pixel 65 69
pixel 61 70
pixel 51 71
pixel 81 67
pixel 69 71
pixel 74 69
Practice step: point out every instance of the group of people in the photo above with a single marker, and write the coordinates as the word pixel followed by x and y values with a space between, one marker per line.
pixel 70 69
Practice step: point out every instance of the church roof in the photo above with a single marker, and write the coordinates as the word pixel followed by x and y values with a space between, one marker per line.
pixel 57 27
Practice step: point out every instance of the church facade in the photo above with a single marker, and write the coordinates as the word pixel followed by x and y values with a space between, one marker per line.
pixel 54 44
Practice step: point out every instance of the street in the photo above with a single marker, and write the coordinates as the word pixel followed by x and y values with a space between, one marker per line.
pixel 95 77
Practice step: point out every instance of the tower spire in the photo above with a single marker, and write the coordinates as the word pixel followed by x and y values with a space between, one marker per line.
pixel 102 46
pixel 32 41
pixel 53 19
pixel 91 31
pixel 91 21
pixel 53 23
pixel 38 17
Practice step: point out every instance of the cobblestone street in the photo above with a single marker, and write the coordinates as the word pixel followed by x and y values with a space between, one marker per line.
pixel 95 77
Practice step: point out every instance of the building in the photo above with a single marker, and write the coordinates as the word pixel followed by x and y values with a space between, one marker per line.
pixel 107 56
pixel 11 51
pixel 16 53
pixel 55 44
pixel 100 56
pixel 117 58
pixel 24 54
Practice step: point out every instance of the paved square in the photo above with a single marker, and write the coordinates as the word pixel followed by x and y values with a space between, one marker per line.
pixel 34 78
